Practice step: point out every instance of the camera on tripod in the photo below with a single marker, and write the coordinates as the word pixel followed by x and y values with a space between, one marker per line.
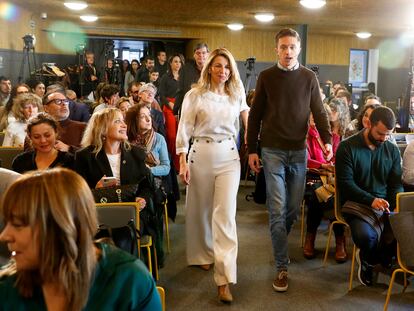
pixel 29 41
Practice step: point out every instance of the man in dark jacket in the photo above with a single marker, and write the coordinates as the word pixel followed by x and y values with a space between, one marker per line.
pixel 190 74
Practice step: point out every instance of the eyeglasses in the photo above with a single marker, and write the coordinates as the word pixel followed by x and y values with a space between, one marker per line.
pixel 59 102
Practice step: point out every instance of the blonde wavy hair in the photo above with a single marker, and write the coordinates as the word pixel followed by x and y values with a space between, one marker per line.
pixel 64 216
pixel 21 100
pixel 97 129
pixel 232 85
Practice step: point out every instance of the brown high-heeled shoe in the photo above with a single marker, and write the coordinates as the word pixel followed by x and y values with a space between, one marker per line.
pixel 224 293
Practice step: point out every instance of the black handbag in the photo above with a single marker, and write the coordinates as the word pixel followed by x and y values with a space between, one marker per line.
pixel 125 237
pixel 112 194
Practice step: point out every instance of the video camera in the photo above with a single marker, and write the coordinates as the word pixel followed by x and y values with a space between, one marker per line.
pixel 249 63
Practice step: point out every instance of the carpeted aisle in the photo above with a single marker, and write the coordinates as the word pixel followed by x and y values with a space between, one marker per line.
pixel 311 286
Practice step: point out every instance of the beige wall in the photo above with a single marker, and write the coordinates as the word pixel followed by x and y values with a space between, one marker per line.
pixel 321 49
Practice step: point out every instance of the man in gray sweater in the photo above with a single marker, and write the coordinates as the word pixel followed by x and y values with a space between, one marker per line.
pixel 285 96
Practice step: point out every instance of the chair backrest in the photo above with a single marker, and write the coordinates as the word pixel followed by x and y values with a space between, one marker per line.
pixel 402 226
pixel 118 214
pixel 7 154
pixel 1 138
pixel 405 202
pixel 161 292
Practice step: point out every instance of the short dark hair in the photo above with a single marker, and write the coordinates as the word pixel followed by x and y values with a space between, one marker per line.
pixel 4 78
pixel 383 114
pixel 159 52
pixel 200 46
pixel 287 32
pixel 149 57
pixel 109 90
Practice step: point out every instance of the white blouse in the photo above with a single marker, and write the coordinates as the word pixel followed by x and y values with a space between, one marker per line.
pixel 208 115
pixel 15 134
pixel 115 163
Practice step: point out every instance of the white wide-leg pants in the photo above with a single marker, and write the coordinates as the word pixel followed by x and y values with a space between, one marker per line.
pixel 211 207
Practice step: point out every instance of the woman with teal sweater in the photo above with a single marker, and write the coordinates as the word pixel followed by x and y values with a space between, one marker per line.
pixel 56 264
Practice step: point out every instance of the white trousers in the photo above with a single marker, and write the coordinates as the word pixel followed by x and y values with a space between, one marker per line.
pixel 211 207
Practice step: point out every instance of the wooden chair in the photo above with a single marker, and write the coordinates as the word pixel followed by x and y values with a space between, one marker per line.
pixel 161 292
pixel 119 214
pixel 402 227
pixel 341 221
pixel 7 154
pixel 2 138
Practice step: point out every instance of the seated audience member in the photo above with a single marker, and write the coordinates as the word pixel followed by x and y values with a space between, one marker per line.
pixel 154 77
pixel 372 100
pixel 7 177
pixel 77 111
pixel 24 107
pixel 142 134
pixel 109 95
pixel 38 88
pixel 368 172
pixel 361 121
pixel 98 97
pixel 6 116
pixel 146 97
pixel 123 105
pixel 56 264
pixel 107 153
pixel 134 95
pixel 5 89
pixel 42 131
pixel 347 97
pixel 70 132
pixel 339 116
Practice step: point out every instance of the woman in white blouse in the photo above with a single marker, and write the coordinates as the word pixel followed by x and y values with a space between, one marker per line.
pixel 24 107
pixel 210 116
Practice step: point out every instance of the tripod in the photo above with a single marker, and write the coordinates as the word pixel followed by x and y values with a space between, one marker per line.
pixel 250 74
pixel 26 60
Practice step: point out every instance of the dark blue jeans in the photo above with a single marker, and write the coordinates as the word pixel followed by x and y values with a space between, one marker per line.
pixel 365 237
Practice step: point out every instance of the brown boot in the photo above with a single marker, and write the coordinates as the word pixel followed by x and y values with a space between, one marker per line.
pixel 224 293
pixel 340 253
pixel 309 248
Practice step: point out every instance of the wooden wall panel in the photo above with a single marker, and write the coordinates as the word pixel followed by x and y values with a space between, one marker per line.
pixel 321 49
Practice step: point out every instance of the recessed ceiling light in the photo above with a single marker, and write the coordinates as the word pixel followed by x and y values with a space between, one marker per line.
pixel 76 5
pixel 313 4
pixel 264 17
pixel 89 18
pixel 235 26
pixel 363 35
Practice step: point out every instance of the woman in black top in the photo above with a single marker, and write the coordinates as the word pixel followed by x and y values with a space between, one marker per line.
pixel 42 131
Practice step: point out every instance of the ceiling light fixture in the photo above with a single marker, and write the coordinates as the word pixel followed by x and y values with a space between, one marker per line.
pixel 264 17
pixel 313 4
pixel 363 35
pixel 76 5
pixel 89 18
pixel 235 26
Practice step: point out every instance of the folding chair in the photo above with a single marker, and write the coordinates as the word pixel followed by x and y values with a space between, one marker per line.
pixel 119 214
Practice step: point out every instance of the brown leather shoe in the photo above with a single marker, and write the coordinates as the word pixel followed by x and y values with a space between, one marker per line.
pixel 309 247
pixel 224 294
pixel 205 267
pixel 340 252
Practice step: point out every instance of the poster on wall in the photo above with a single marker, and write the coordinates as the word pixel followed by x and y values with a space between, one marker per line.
pixel 358 67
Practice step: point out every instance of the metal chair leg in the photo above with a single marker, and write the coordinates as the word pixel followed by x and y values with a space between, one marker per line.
pixel 167 231
pixel 387 300
pixel 351 273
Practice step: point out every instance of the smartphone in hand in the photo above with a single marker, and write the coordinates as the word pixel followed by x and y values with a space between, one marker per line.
pixel 108 181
